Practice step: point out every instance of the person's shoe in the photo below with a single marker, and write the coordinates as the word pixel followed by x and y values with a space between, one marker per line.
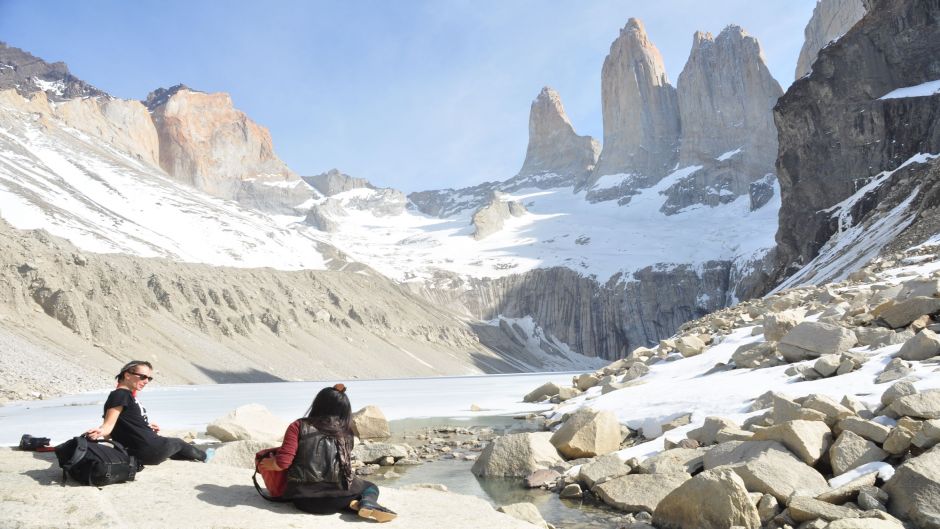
pixel 210 453
pixel 373 511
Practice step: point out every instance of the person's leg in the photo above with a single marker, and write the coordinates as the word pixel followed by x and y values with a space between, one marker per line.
pixel 185 451
pixel 323 505
pixel 368 506
pixel 169 447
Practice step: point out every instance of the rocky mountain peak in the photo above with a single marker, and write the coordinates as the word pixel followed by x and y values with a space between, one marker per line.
pixel 161 95
pixel 554 147
pixel 640 112
pixel 831 19
pixel 28 74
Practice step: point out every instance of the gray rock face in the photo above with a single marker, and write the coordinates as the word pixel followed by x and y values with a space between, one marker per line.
pixel 26 74
pixel 830 20
pixel 834 131
pixel 490 218
pixel 554 148
pixel 640 110
pixel 726 96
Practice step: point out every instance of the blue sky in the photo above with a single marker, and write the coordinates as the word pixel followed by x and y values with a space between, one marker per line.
pixel 410 94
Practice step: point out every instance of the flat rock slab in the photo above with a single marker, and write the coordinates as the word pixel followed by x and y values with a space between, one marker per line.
pixel 639 492
pixel 781 474
pixel 185 494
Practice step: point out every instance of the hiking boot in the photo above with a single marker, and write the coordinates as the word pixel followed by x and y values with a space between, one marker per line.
pixel 373 511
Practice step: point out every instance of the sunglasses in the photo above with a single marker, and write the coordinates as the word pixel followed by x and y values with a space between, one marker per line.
pixel 142 376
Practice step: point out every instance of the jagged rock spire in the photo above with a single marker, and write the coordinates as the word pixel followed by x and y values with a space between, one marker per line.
pixel 641 115
pixel 554 147
pixel 726 98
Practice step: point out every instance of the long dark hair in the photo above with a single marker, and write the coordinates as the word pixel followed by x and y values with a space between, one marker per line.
pixel 331 414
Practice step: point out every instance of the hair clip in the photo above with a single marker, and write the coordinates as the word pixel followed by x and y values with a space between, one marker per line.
pixel 340 387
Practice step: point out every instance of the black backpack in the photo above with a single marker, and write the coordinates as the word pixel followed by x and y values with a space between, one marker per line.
pixel 95 463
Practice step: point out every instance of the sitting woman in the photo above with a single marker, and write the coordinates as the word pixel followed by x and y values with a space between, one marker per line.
pixel 126 422
pixel 316 454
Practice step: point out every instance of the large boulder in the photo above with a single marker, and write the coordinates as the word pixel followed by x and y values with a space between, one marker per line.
pixel 588 433
pixel 756 355
pixel 809 440
pixel 546 390
pixel 517 455
pixel 777 324
pixel 870 430
pixel 377 452
pixel 639 492
pixel 805 509
pixel 690 346
pixel 898 389
pixel 827 406
pixel 740 452
pixel 924 345
pixel 785 410
pixel 811 339
pixel 851 450
pixel 370 423
pixel 901 314
pixel 602 469
pixel 915 491
pixel 781 474
pixel 238 453
pixel 676 460
pixel 924 405
pixel 251 422
pixel 708 432
pixel 714 499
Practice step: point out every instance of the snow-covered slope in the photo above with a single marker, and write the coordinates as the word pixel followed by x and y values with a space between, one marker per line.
pixel 81 188
pixel 561 228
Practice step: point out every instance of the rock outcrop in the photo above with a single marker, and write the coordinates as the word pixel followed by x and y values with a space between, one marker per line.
pixel 726 96
pixel 207 143
pixel 831 19
pixel 490 218
pixel 846 150
pixel 554 147
pixel 27 74
pixel 334 182
pixel 120 124
pixel 640 111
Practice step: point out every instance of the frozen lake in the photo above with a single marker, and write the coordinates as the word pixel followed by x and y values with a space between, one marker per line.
pixel 193 407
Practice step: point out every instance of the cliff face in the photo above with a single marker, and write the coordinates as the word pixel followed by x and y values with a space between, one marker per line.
pixel 831 19
pixel 640 111
pixel 838 131
pixel 726 95
pixel 554 148
pixel 207 143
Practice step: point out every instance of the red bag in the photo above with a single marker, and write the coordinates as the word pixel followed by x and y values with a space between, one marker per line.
pixel 275 481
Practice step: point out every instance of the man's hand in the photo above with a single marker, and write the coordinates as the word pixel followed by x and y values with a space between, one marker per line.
pixel 155 427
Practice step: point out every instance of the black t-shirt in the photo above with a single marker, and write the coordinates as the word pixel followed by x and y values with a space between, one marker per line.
pixel 132 428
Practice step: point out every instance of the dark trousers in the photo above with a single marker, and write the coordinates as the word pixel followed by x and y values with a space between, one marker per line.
pixel 330 505
pixel 170 448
